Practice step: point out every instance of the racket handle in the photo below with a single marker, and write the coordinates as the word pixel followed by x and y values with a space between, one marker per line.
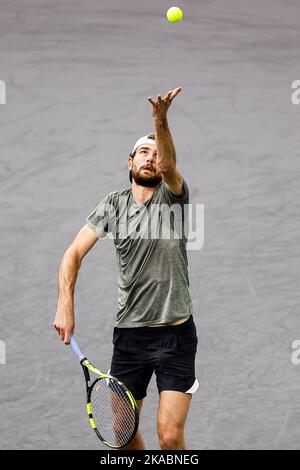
pixel 76 348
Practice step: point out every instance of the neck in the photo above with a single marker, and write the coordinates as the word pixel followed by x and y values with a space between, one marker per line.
pixel 141 194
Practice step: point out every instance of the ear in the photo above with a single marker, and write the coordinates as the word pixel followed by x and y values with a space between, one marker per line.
pixel 130 162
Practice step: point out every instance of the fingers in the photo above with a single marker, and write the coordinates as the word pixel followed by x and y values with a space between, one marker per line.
pixel 175 92
pixel 67 337
pixel 60 331
pixel 168 95
pixel 162 104
pixel 57 328
pixel 64 333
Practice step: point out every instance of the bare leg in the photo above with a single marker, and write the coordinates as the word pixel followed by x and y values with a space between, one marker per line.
pixel 172 413
pixel 138 442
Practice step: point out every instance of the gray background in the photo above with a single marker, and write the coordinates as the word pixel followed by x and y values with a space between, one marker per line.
pixel 78 74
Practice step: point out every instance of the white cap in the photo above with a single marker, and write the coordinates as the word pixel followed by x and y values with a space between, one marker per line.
pixel 143 140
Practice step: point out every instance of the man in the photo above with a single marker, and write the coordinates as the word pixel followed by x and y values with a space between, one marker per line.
pixel 154 329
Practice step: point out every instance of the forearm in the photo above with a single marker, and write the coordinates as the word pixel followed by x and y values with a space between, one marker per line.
pixel 67 277
pixel 166 154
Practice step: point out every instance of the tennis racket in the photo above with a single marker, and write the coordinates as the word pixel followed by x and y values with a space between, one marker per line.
pixel 111 407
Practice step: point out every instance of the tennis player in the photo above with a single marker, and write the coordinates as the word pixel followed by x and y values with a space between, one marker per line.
pixel 154 329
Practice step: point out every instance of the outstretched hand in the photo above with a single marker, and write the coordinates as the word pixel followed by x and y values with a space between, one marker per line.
pixel 161 105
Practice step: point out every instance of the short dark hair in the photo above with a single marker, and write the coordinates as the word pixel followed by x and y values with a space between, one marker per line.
pixel 132 154
pixel 130 174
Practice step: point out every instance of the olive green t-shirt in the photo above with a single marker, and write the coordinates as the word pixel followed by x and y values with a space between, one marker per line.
pixel 150 241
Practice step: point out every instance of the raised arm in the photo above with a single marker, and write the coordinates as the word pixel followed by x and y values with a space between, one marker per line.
pixel 166 154
pixel 64 321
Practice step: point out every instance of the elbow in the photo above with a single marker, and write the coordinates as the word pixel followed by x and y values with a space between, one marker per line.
pixel 73 255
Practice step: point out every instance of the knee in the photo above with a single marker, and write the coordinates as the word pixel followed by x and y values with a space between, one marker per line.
pixel 170 437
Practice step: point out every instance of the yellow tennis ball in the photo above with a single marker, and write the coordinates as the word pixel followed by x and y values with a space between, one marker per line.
pixel 174 14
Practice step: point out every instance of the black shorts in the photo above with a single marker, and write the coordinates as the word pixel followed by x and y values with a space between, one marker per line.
pixel 169 351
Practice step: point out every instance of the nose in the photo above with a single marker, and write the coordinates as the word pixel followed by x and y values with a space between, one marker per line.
pixel 151 157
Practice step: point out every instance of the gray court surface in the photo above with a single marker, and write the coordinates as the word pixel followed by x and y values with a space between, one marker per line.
pixel 78 74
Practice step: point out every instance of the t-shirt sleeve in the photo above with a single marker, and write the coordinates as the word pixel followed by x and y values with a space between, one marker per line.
pixel 99 219
pixel 171 198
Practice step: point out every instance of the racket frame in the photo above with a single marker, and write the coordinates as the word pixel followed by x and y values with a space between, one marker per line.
pixel 87 366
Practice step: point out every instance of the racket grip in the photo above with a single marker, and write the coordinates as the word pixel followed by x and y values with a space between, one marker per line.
pixel 76 348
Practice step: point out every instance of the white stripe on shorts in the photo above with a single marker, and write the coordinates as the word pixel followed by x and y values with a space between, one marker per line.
pixel 194 387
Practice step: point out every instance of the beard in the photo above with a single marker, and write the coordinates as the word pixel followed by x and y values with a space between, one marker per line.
pixel 145 180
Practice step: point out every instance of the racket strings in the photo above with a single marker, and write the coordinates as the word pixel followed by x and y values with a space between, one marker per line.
pixel 113 412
